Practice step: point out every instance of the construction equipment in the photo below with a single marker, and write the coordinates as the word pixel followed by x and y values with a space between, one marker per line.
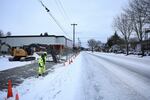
pixel 21 54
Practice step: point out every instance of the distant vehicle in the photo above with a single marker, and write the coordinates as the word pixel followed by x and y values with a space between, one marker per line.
pixel 119 52
pixel 131 52
pixel 147 53
pixel 139 53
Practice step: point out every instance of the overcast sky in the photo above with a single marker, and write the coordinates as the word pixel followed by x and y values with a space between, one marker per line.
pixel 28 17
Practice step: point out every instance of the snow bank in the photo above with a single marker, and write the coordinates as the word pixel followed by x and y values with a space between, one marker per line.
pixel 36 55
pixel 60 84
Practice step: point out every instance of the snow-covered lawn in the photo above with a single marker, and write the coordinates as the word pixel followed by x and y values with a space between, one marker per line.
pixel 91 76
pixel 6 64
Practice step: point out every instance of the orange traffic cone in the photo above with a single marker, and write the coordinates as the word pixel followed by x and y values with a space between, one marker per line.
pixel 17 97
pixel 9 93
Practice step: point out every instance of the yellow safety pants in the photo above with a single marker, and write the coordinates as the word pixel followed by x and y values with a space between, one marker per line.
pixel 41 70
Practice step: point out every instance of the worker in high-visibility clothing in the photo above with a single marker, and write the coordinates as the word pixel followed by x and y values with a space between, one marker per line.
pixel 41 63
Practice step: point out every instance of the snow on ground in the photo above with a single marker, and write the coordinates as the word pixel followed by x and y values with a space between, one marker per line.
pixel 135 73
pixel 36 55
pixel 91 76
pixel 104 81
pixel 131 56
pixel 62 82
pixel 136 62
pixel 6 64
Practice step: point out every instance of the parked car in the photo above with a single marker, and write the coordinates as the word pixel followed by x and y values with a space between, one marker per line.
pixel 119 52
pixel 131 52
pixel 147 53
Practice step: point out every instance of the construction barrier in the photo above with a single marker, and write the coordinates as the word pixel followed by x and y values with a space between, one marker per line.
pixel 70 60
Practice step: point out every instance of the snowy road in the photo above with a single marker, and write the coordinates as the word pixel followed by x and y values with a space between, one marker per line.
pixel 115 78
pixel 91 76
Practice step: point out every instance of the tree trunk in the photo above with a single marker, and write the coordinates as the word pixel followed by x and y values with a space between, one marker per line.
pixel 142 48
pixel 0 50
pixel 92 49
pixel 127 48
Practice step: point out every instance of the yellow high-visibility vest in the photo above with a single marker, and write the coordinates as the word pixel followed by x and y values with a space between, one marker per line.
pixel 41 62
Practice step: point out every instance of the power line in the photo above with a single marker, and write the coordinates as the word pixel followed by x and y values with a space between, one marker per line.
pixel 55 20
pixel 63 12
pixel 60 10
pixel 60 3
pixel 57 23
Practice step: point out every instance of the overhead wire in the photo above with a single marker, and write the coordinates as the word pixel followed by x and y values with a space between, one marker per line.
pixel 63 13
pixel 55 20
pixel 60 10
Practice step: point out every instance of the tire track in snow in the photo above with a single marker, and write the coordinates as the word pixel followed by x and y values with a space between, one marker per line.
pixel 104 84
pixel 135 81
pixel 134 58
pixel 145 73
pixel 89 83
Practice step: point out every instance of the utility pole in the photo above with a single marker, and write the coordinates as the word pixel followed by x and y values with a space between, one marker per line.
pixel 74 34
pixel 79 43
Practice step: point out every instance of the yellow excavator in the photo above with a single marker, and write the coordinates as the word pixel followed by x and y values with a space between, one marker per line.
pixel 21 54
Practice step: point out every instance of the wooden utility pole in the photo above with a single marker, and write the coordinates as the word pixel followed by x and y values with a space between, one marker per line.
pixel 74 34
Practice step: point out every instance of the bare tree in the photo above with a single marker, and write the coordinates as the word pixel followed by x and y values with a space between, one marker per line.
pixel 8 34
pixel 45 34
pixel 146 9
pixel 98 45
pixel 138 12
pixel 92 44
pixel 124 25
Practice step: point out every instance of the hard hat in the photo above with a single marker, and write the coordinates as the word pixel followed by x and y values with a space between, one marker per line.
pixel 45 53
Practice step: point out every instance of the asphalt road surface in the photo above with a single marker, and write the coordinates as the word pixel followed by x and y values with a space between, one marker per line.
pixel 18 74
pixel 113 77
